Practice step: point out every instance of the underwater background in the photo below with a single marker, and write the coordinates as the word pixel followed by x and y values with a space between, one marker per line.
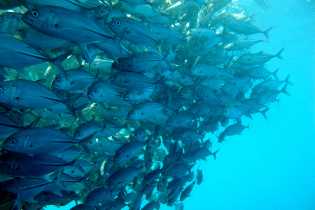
pixel 271 165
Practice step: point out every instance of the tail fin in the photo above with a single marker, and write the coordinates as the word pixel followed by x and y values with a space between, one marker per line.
pixel 215 154
pixel 287 80
pixel 267 32
pixel 58 60
pixel 279 54
pixel 275 73
pixel 264 114
pixel 265 40
pixel 284 90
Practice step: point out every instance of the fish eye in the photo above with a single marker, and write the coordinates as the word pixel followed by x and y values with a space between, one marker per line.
pixel 79 134
pixel 118 22
pixel 12 141
pixel 95 90
pixel 115 62
pixel 115 77
pixel 35 13
pixel 127 92
pixel 1 89
pixel 132 113
pixel 58 80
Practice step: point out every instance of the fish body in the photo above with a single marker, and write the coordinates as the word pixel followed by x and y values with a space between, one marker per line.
pixel 64 24
pixel 11 23
pixel 138 63
pixel 76 79
pixel 128 151
pixel 17 54
pixel 31 166
pixel 132 80
pixel 257 58
pixel 27 94
pixel 136 31
pixel 179 120
pixel 102 91
pixel 37 141
pixel 241 45
pixel 144 110
pixel 186 193
pixel 244 27
pixel 122 176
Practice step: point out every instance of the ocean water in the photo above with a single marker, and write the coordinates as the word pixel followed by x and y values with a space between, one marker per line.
pixel 271 165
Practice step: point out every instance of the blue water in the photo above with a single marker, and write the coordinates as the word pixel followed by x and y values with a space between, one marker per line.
pixel 272 165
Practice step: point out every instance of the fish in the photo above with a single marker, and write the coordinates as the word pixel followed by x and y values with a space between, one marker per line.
pixel 112 104
pixel 144 110
pixel 257 58
pixel 64 24
pixel 102 91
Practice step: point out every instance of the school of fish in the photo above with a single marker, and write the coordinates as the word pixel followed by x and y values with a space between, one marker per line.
pixel 111 103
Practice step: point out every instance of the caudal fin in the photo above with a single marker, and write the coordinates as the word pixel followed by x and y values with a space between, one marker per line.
pixel 267 32
pixel 284 90
pixel 275 73
pixel 215 154
pixel 264 113
pixel 287 80
pixel 279 54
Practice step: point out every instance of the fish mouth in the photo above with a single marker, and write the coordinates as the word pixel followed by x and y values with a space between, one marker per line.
pixel 112 27
pixel 26 19
pixel 90 96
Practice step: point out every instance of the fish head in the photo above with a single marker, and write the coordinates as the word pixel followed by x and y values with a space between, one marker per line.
pixel 80 133
pixel 16 142
pixel 128 95
pixel 119 78
pixel 133 114
pixel 9 23
pixel 60 82
pixel 95 92
pixel 118 24
pixel 201 91
pixel 170 122
pixel 119 157
pixel 8 92
pixel 40 18
pixel 120 64
pixel 185 93
pixel 111 183
pixel 89 52
pixel 140 133
pixel 101 11
pixel 196 71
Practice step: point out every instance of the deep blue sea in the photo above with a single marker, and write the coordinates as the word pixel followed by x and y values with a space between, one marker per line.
pixel 271 166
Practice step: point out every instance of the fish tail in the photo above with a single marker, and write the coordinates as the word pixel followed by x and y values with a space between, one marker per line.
pixel 287 80
pixel 284 90
pixel 58 60
pixel 267 32
pixel 279 54
pixel 215 154
pixel 264 114
pixel 275 73
pixel 265 40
